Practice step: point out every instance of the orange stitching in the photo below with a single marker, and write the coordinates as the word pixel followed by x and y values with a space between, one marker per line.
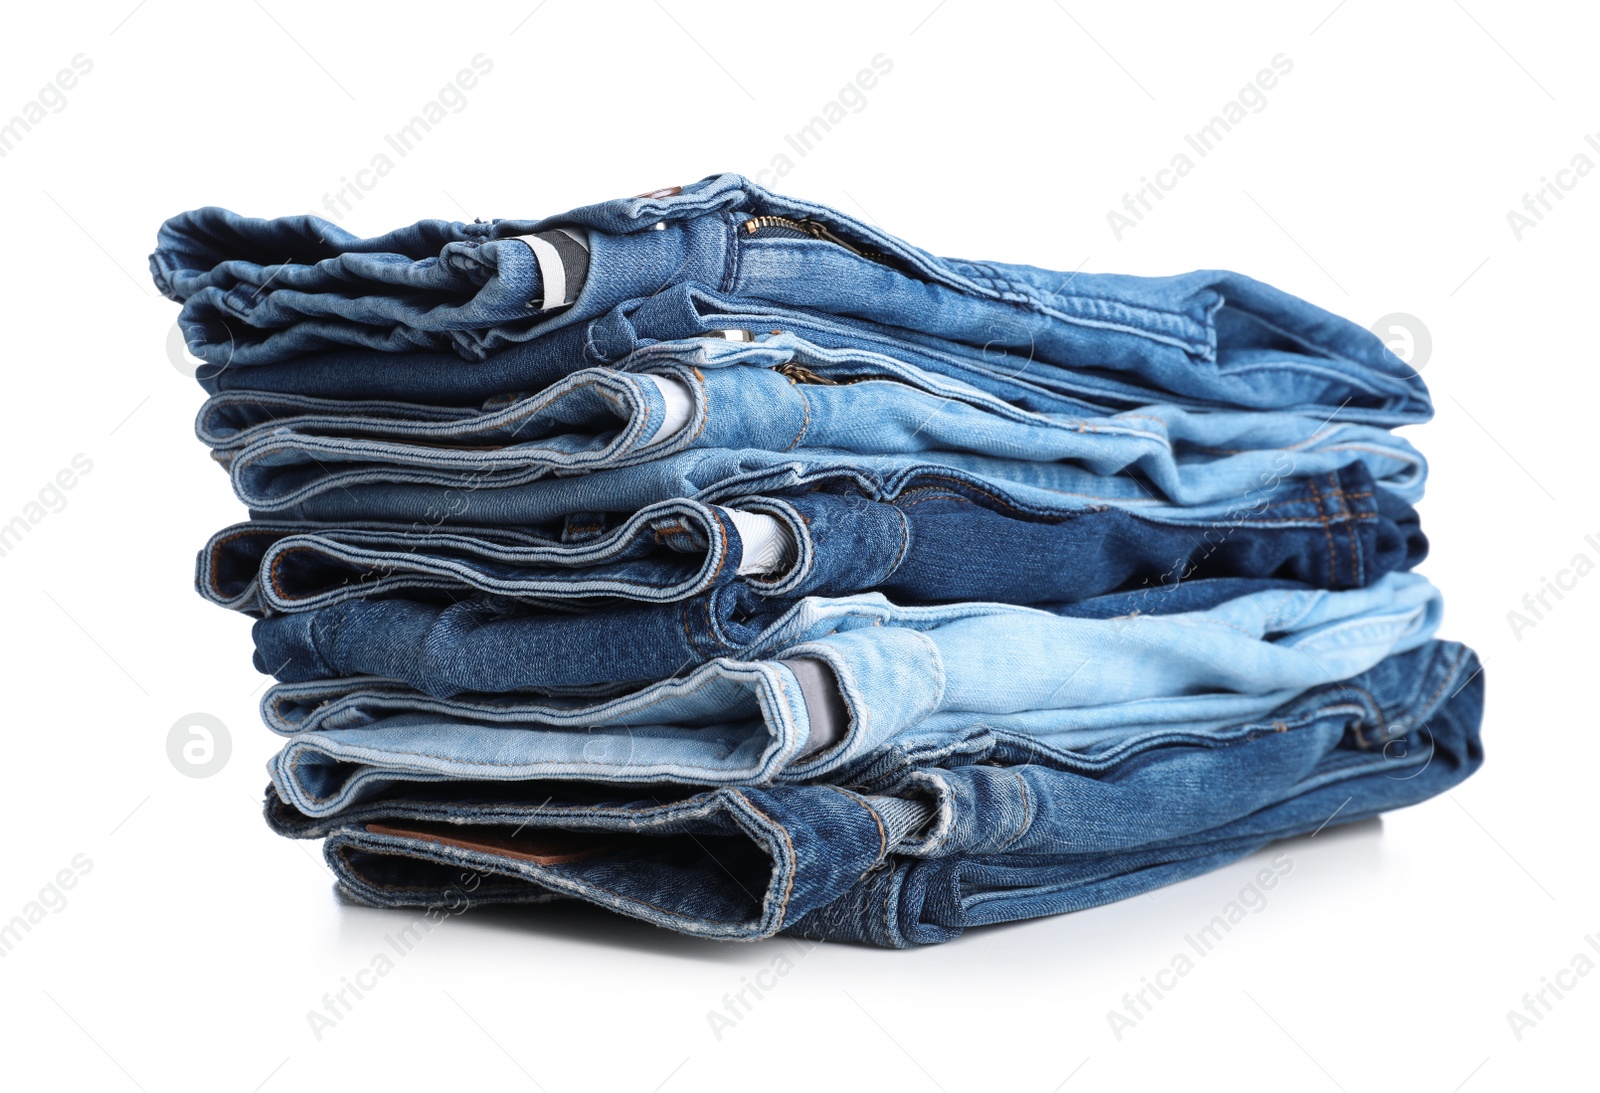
pixel 783 908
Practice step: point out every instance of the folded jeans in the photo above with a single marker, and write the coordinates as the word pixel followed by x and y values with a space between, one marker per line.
pixel 285 449
pixel 917 678
pixel 998 837
pixel 257 291
pixel 931 543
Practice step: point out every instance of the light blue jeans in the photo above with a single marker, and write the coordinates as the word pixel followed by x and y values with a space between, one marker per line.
pixel 776 397
pixel 836 680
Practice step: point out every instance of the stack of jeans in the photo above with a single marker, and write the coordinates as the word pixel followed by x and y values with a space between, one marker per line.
pixel 716 558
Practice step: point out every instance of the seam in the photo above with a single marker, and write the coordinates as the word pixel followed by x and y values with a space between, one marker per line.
pixel 794 859
pixel 883 835
pixel 308 752
pixel 212 562
pixel 905 545
pixel 1327 530
pixel 705 402
pixel 1027 809
pixel 1357 570
pixel 805 420
pixel 1449 677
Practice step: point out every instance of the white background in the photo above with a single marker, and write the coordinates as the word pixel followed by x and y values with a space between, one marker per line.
pixel 1376 180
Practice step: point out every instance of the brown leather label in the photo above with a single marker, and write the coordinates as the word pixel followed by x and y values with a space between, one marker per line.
pixel 666 191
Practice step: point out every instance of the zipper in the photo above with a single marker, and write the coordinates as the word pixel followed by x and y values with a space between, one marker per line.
pixel 813 228
pixel 801 374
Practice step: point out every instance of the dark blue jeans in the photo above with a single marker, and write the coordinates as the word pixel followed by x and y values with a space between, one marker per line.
pixel 444 634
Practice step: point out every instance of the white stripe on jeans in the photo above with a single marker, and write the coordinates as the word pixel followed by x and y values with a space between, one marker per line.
pixel 552 271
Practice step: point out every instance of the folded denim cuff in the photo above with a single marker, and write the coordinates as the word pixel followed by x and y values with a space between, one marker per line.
pixel 785 856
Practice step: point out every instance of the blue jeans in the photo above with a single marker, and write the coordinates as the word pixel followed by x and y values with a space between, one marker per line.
pixel 932 547
pixel 931 543
pixel 833 682
pixel 1219 490
pixel 255 292
pixel 914 853
pixel 286 449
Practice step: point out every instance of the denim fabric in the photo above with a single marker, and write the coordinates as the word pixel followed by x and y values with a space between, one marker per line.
pixel 424 388
pixel 257 291
pixel 1217 490
pixel 283 450
pixel 930 544
pixel 1004 831
pixel 940 549
pixel 917 677
pixel 721 560
pixel 694 321
pixel 343 702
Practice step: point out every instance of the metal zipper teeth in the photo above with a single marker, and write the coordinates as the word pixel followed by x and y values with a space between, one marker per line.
pixel 799 373
pixel 813 228
pixel 756 223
